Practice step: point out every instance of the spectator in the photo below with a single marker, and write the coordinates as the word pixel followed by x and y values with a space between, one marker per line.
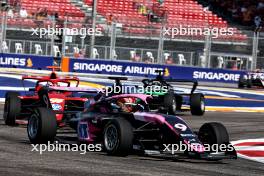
pixel 76 55
pixel 169 61
pixel 235 12
pixel 150 15
pixel 148 61
pixel 136 58
pixel 82 54
pixel 234 66
pixel 10 13
pixel 161 2
pixel 15 4
pixel 260 5
pixel 136 4
pixel 37 14
pixel 247 16
pixel 51 16
pixel 56 17
pixel 23 13
pixel 44 13
pixel 241 11
pixel 257 21
pixel 143 9
pixel 109 19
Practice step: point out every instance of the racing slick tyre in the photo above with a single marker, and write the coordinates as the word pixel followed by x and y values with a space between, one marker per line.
pixel 170 103
pixel 44 97
pixel 241 83
pixel 249 83
pixel 197 104
pixel 118 137
pixel 12 108
pixel 42 126
pixel 179 100
pixel 213 133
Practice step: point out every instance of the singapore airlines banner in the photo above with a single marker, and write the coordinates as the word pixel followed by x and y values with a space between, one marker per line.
pixel 142 69
pixel 120 68
pixel 25 61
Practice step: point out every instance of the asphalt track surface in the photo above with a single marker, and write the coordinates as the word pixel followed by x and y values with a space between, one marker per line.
pixel 16 157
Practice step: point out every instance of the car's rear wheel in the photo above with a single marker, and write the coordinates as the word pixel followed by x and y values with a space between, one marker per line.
pixel 42 126
pixel 197 104
pixel 12 108
pixel 249 83
pixel 242 82
pixel 170 103
pixel 213 133
pixel 118 137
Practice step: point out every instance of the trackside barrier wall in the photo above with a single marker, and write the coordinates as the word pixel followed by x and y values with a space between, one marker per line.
pixel 120 68
pixel 25 61
pixel 142 69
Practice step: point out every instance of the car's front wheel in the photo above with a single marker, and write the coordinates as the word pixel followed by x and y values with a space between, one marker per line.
pixel 118 137
pixel 197 104
pixel 170 103
pixel 12 108
pixel 42 126
pixel 213 133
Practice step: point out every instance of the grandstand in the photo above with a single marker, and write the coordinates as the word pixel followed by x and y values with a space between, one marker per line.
pixel 178 12
pixel 136 20
pixel 243 12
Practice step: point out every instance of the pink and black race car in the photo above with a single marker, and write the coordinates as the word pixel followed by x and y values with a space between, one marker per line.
pixel 52 103
pixel 124 123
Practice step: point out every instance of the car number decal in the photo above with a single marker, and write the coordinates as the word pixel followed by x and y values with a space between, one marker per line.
pixel 180 126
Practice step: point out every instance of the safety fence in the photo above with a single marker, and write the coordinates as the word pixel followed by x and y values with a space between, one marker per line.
pixel 242 50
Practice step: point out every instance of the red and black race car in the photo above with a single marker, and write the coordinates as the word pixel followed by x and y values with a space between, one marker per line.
pixel 52 103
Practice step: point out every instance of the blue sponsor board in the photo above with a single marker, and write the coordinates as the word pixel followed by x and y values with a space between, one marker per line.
pixel 142 69
pixel 25 61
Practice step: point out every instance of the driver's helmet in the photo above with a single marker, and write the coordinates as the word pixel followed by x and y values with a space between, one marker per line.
pixel 43 84
pixel 156 83
pixel 50 84
pixel 127 104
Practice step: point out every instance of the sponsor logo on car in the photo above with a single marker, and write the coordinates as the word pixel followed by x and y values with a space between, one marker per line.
pixel 56 107
pixel 56 100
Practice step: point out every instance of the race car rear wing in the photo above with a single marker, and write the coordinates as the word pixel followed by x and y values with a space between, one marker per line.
pixel 117 78
pixel 74 89
pixel 47 79
pixel 194 81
